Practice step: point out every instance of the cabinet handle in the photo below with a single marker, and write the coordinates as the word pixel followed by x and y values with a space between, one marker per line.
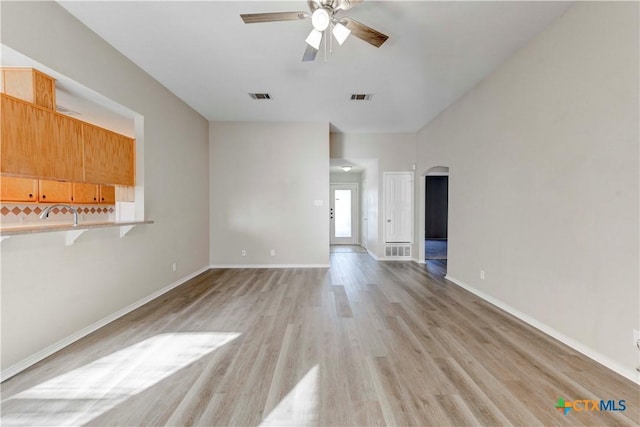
pixel 30 195
pixel 103 199
pixel 44 196
pixel 94 199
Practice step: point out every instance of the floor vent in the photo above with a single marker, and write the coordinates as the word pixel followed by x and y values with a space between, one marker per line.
pixel 397 251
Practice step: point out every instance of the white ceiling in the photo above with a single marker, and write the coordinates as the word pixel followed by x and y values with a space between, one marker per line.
pixel 357 165
pixel 206 55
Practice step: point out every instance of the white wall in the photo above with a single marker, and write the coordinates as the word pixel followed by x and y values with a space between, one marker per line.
pixel 543 180
pixel 345 177
pixel 264 180
pixel 51 291
pixel 394 152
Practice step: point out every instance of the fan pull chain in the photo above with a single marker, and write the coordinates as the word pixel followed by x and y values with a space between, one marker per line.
pixel 330 29
pixel 325 46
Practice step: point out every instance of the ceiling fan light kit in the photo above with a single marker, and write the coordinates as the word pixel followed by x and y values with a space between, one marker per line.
pixel 325 23
pixel 314 38
pixel 320 19
pixel 340 32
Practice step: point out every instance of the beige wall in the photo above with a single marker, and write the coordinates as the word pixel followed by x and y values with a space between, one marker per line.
pixel 51 291
pixel 390 152
pixel 543 180
pixel 264 180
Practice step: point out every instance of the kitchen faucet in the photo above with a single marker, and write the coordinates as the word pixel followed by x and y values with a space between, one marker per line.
pixel 45 213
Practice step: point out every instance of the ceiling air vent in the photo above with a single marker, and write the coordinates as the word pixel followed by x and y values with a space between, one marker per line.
pixel 64 110
pixel 361 96
pixel 260 96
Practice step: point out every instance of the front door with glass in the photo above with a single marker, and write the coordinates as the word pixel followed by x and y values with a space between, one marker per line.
pixel 343 214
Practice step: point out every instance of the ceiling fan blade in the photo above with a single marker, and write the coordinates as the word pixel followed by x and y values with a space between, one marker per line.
pixel 363 32
pixel 309 54
pixel 253 18
pixel 348 4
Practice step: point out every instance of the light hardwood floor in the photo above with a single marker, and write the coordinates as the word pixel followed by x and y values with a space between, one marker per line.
pixel 362 343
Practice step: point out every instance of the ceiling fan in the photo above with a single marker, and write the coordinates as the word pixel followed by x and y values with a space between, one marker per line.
pixel 325 22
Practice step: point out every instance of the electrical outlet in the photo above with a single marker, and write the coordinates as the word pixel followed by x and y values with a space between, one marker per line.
pixel 636 338
pixel 273 252
pixel 481 274
pixel 175 266
pixel 243 252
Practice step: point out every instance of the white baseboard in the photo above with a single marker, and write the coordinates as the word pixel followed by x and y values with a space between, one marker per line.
pixel 269 266
pixel 419 261
pixel 374 256
pixel 48 351
pixel 578 346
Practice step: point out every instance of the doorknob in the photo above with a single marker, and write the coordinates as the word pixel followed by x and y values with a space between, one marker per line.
pixel 388 220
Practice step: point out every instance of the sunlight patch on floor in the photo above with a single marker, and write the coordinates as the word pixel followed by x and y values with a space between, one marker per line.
pixel 300 407
pixel 83 394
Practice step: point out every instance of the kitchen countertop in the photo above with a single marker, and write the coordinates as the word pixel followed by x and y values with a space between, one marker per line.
pixel 17 229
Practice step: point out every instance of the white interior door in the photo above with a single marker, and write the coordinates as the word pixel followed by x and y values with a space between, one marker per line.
pixel 364 225
pixel 344 214
pixel 398 207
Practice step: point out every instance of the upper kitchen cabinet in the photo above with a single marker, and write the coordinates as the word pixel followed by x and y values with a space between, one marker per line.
pixel 14 189
pixel 109 158
pixel 29 85
pixel 39 143
pixel 55 191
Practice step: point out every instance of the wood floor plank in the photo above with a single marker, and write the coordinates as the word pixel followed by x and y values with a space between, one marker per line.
pixel 362 343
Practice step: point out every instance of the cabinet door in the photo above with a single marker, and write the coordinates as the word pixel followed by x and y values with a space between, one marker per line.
pixel 108 156
pixel 64 152
pixel 26 130
pixel 55 192
pixel 18 189
pixel 107 194
pixel 39 143
pixel 84 193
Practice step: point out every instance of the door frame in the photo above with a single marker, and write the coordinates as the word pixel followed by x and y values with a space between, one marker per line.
pixel 355 206
pixel 422 200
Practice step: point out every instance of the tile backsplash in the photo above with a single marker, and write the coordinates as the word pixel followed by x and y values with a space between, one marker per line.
pixel 23 213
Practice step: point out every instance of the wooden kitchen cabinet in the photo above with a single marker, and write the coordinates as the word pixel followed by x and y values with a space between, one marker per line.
pixel 55 191
pixel 84 194
pixel 29 85
pixel 14 189
pixel 109 157
pixel 107 194
pixel 39 143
